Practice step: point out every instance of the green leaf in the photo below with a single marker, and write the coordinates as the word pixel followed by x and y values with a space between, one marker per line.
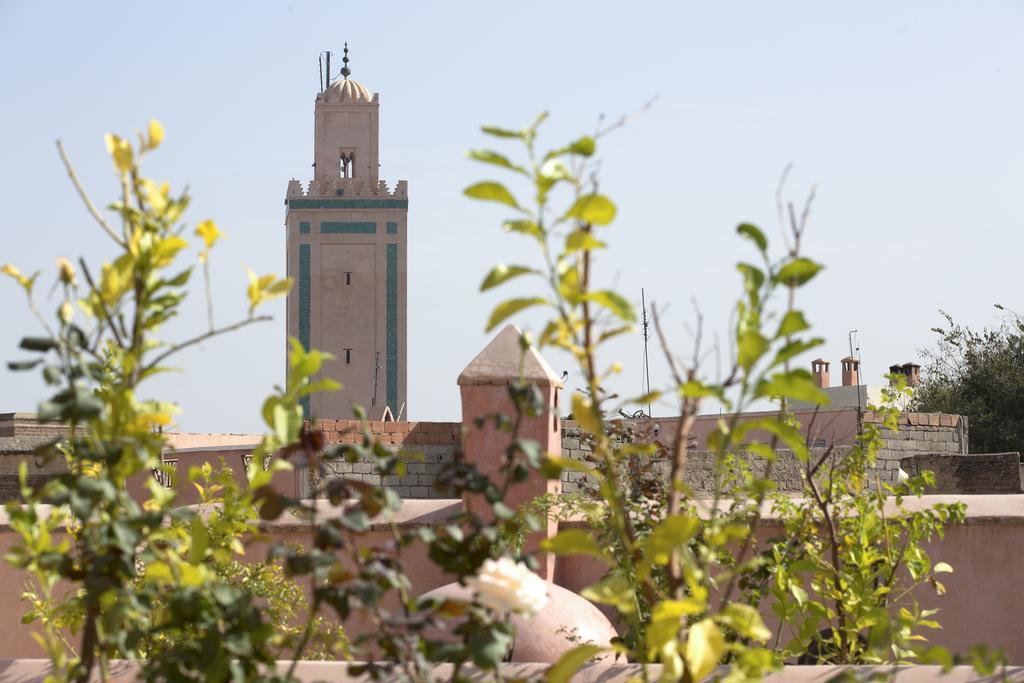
pixel 502 273
pixel 754 234
pixel 593 208
pixel 492 192
pixel 795 348
pixel 942 568
pixel 526 227
pixel 41 344
pixel 16 365
pixel 697 389
pixel 490 157
pixel 582 240
pixel 573 542
pixel 200 541
pixel 502 132
pixel 321 385
pixel 792 323
pixel 583 147
pixel 798 272
pixel 614 302
pixel 751 346
pixel 508 308
pixel 615 590
pixel 797 384
pixel 569 663
pixel 746 621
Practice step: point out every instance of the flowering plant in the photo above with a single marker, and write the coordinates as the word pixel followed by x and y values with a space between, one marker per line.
pixel 505 586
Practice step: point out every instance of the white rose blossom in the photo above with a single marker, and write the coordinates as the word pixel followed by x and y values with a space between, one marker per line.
pixel 508 586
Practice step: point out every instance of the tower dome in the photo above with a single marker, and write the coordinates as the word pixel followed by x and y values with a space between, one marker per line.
pixel 347 90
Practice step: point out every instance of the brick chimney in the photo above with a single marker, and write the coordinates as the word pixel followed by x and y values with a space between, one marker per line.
pixel 819 367
pixel 911 371
pixel 851 371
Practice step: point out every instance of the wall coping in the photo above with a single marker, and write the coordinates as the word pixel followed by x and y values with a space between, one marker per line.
pixel 982 510
pixel 123 671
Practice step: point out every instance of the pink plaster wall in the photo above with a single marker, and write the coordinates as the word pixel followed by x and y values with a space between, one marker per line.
pixel 983 602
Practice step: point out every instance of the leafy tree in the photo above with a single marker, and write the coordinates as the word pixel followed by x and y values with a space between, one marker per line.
pixel 979 374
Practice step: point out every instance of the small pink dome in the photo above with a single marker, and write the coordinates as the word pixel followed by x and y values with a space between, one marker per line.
pixel 567 621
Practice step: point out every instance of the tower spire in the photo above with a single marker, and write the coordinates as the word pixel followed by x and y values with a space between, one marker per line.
pixel 345 71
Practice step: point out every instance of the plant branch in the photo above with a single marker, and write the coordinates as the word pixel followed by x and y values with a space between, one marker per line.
pixel 85 197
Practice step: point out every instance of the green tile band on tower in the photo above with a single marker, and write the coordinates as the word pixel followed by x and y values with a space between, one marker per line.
pixel 304 284
pixel 348 227
pixel 391 350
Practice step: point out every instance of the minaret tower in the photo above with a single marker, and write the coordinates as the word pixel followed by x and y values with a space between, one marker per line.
pixel 347 255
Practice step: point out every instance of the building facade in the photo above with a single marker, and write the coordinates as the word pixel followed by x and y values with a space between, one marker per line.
pixel 347 256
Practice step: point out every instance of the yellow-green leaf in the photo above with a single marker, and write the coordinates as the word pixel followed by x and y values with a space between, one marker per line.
pixel 581 240
pixel 751 346
pixel 671 533
pixel 569 663
pixel 25 282
pixel 120 150
pixel 209 233
pixel 798 272
pixel 705 646
pixel 797 384
pixel 502 273
pixel 508 308
pixel 491 157
pixel 746 621
pixel 614 302
pixel 115 279
pixel 573 542
pixel 156 134
pixel 166 249
pixel 792 323
pixel 584 412
pixel 491 192
pixel 525 227
pixel 593 208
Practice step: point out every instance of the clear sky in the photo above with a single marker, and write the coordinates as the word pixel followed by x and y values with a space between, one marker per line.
pixel 906 115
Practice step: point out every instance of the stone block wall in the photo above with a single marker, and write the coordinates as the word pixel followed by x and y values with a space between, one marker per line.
pixel 428 445
pixel 919 434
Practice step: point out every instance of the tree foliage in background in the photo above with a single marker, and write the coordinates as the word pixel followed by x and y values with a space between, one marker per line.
pixel 979 374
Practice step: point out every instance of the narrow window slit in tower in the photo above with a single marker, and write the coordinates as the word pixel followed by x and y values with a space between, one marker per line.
pixel 348 277
pixel 348 356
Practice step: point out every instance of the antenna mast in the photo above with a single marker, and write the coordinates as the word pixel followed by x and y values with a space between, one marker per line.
pixel 320 63
pixel 376 369
pixel 860 370
pixel 646 383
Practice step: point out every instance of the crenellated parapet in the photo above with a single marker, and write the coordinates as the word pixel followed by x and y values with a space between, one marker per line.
pixel 347 187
